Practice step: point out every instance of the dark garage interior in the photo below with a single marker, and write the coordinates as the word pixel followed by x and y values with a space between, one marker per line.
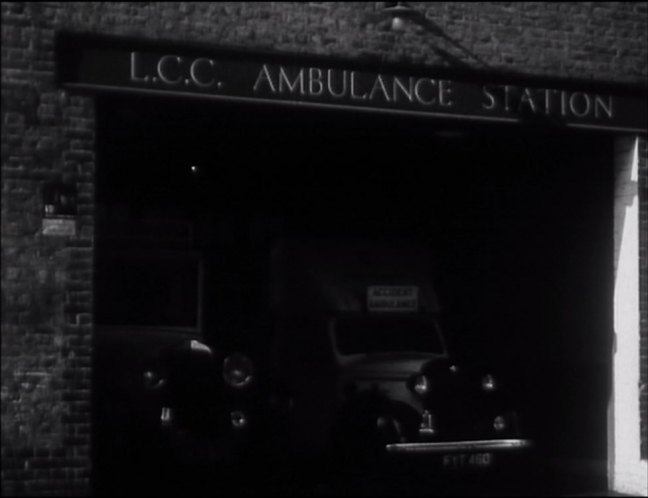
pixel 518 219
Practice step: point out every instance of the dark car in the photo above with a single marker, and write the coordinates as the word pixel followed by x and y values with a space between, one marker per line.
pixel 172 394
pixel 347 366
pixel 360 345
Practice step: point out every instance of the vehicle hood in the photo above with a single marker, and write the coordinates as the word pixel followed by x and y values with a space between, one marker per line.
pixel 386 366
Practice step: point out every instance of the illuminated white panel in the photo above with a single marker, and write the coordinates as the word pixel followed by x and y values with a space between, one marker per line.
pixel 628 473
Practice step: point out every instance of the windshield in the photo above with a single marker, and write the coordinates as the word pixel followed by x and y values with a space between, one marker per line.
pixel 386 334
pixel 150 289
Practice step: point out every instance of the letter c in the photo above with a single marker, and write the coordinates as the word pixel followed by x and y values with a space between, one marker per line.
pixel 160 69
pixel 417 92
pixel 194 77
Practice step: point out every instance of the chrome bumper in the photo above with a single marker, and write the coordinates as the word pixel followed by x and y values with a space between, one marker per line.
pixel 459 446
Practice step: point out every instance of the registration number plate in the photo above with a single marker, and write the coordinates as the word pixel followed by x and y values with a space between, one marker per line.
pixel 470 460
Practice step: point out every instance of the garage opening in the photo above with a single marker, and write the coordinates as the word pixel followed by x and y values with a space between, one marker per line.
pixel 191 197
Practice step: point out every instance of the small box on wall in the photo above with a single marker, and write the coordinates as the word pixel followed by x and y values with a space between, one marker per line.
pixel 60 208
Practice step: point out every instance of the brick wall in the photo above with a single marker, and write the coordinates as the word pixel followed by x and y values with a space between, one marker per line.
pixel 573 39
pixel 49 136
pixel 46 280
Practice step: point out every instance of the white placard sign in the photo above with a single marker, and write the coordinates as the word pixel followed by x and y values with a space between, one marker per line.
pixel 59 226
pixel 392 298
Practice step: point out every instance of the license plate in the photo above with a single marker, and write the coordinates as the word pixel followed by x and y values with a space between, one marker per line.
pixel 467 460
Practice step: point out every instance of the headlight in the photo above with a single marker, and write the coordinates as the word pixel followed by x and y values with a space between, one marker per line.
pixel 390 428
pixel 499 424
pixel 422 385
pixel 239 419
pixel 152 380
pixel 488 383
pixel 238 370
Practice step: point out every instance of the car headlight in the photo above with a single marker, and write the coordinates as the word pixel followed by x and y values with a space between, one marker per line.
pixel 239 419
pixel 500 423
pixel 238 370
pixel 488 383
pixel 390 428
pixel 153 380
pixel 422 385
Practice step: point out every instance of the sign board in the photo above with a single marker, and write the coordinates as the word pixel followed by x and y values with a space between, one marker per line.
pixel 59 226
pixel 392 298
pixel 98 64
